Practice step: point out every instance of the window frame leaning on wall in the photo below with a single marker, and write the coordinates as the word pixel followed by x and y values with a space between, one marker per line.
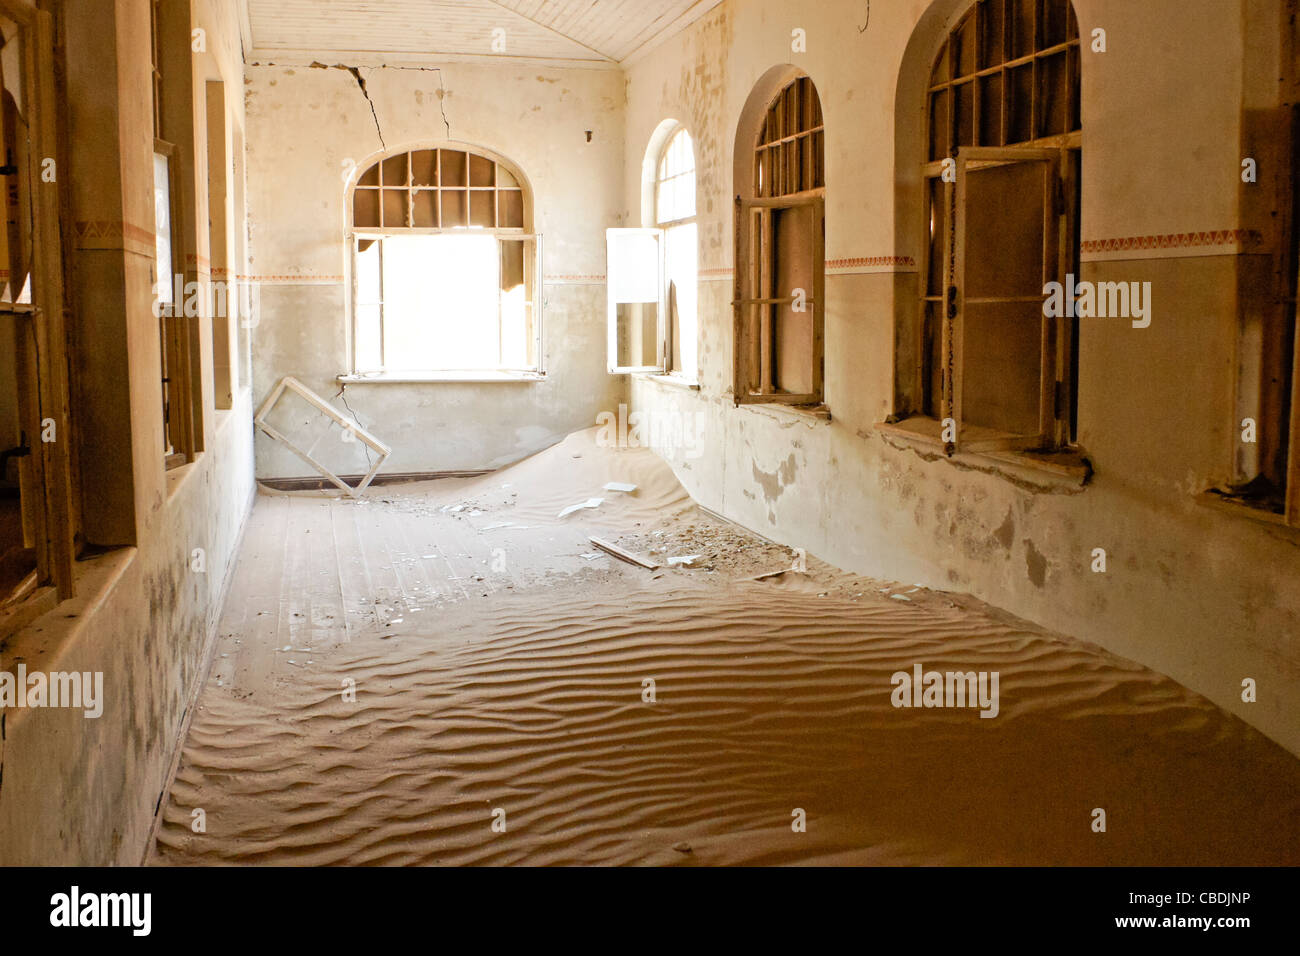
pixel 788 176
pixel 48 498
pixel 982 62
pixel 409 199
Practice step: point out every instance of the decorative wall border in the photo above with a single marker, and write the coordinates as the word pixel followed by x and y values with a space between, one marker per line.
pixel 1174 245
pixel 292 279
pixel 113 234
pixel 870 264
pixel 574 279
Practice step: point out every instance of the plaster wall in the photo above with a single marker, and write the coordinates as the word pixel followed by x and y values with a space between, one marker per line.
pixel 1205 596
pixel 78 790
pixel 307 126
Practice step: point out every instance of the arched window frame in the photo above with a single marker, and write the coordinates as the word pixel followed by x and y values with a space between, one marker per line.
pixel 652 268
pixel 989 59
pixel 780 202
pixel 675 214
pixel 439 189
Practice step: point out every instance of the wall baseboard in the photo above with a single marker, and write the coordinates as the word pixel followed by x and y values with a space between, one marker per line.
pixel 317 483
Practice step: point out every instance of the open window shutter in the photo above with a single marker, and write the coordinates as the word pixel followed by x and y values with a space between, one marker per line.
pixel 634 284
pixel 1000 350
pixel 521 302
pixel 779 301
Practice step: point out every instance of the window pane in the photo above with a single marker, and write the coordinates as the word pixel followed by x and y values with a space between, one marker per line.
pixel 938 237
pixel 964 47
pixel 441 296
pixel 1001 337
pixel 992 29
pixel 681 245
pixel 675 194
pixel 939 125
pixel 162 211
pixel 368 357
pixel 964 107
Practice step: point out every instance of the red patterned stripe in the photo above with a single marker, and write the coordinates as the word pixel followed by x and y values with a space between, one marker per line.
pixel 1177 240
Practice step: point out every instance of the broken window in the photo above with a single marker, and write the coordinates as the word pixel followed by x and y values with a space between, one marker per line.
pixel 653 274
pixel 780 258
pixel 1001 198
pixel 445 276
pixel 37 518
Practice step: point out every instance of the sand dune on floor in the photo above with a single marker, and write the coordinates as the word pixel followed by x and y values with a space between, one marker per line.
pixel 771 702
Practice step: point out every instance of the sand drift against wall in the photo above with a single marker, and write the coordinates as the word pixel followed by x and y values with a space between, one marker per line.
pixel 500 665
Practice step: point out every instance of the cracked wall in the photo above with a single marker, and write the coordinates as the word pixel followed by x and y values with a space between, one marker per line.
pixel 306 122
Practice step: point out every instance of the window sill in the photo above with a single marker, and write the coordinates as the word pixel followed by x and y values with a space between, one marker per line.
pixel 1066 469
pixel 677 381
pixel 47 625
pixel 809 413
pixel 471 377
pixel 177 475
pixel 1243 509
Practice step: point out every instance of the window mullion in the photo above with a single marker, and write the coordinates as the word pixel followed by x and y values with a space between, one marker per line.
pixel 383 310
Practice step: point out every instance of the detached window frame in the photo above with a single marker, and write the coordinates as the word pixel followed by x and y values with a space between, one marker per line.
pixel 789 179
pixel 445 190
pixel 1002 90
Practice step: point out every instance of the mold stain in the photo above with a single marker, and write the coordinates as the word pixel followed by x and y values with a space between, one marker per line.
pixel 1006 534
pixel 773 483
pixel 1035 563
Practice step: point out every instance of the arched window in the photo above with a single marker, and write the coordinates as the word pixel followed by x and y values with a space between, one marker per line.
pixel 1001 173
pixel 674 192
pixel 444 270
pixel 780 237
pixel 653 273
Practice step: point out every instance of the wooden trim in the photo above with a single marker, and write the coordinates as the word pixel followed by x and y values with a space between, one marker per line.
pixel 756 300
pixel 1293 458
pixel 1048 423
pixel 14 617
pixel 55 402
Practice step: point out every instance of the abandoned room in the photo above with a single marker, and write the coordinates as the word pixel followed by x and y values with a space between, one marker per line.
pixel 660 432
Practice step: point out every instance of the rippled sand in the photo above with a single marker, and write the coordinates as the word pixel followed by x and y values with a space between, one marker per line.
pixel 770 698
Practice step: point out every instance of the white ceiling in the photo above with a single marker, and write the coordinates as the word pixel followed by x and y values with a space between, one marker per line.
pixel 576 32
